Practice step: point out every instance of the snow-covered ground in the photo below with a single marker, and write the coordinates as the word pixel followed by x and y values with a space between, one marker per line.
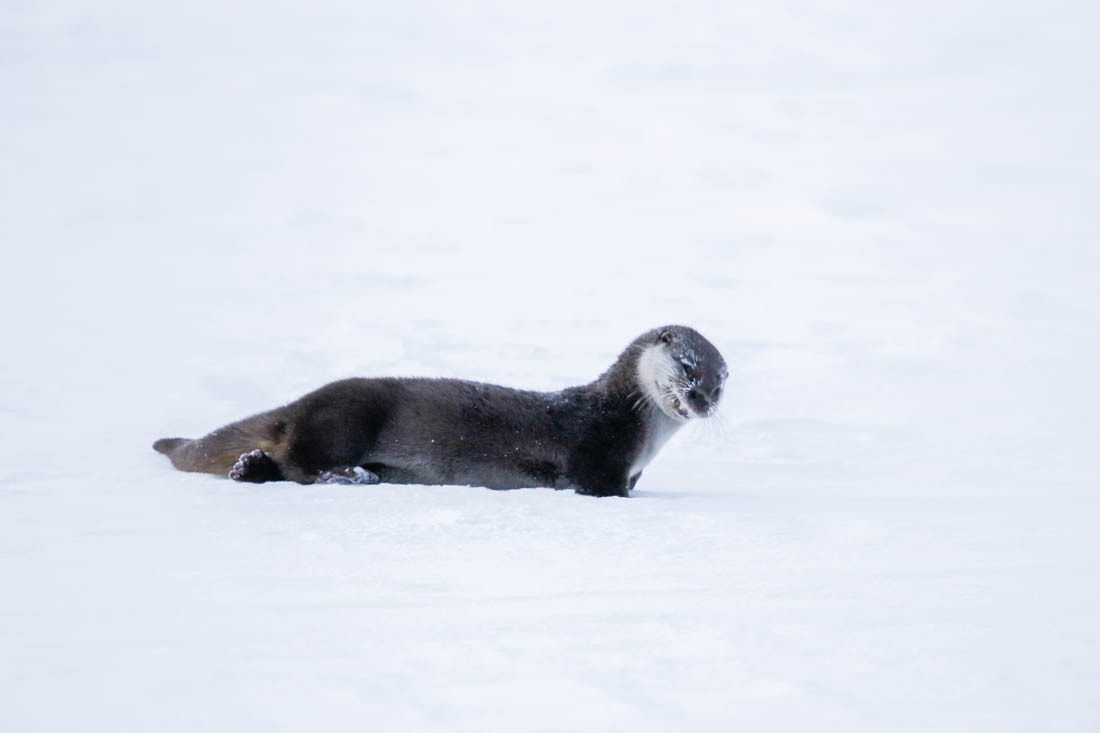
pixel 884 214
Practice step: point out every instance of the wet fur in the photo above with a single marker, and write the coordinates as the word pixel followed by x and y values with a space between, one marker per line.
pixel 594 438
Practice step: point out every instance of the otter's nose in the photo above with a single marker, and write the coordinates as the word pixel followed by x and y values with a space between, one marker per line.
pixel 699 401
pixel 703 397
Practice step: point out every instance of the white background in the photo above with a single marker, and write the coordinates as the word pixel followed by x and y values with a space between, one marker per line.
pixel 883 214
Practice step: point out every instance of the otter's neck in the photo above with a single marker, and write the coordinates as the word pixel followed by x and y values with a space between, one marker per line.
pixel 621 378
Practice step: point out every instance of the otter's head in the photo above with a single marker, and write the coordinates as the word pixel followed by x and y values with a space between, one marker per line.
pixel 680 372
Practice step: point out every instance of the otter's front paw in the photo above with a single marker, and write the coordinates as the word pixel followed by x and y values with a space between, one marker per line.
pixel 350 475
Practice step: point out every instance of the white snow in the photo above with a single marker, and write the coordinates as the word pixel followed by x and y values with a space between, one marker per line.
pixel 883 214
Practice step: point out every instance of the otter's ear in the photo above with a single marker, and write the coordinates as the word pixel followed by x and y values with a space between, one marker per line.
pixel 666 337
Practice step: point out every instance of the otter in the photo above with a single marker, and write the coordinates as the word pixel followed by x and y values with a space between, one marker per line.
pixel 595 439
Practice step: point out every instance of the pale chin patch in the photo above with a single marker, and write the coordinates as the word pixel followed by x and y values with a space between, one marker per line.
pixel 655 370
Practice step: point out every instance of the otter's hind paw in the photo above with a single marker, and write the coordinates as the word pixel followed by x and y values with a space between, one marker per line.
pixel 255 467
pixel 352 475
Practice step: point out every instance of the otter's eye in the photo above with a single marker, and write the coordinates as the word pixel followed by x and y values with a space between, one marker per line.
pixel 688 370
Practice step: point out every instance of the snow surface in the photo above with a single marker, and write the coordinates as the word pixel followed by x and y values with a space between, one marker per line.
pixel 884 215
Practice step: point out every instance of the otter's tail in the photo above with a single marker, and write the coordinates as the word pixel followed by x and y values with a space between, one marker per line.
pixel 217 452
pixel 168 445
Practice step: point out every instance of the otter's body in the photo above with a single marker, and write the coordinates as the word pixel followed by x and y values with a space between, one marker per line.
pixel 595 439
